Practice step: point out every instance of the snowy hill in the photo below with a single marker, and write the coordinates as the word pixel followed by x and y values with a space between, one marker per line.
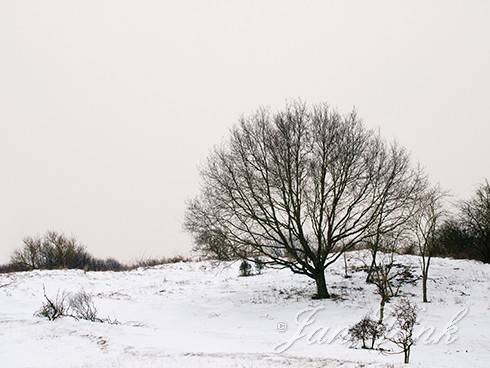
pixel 199 315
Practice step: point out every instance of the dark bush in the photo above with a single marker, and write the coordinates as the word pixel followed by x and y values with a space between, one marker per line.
pixel 10 267
pixel 109 264
pixel 259 266
pixel 453 241
pixel 366 330
pixel 151 262
pixel 245 268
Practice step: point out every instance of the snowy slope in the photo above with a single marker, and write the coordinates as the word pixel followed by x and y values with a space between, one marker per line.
pixel 199 315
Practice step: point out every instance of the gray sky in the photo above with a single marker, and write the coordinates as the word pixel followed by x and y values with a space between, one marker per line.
pixel 107 107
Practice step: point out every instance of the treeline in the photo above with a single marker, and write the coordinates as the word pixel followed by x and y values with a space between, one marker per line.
pixel 467 233
pixel 55 250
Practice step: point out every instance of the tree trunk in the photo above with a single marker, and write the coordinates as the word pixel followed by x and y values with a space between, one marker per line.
pixel 371 268
pixel 424 288
pixel 382 309
pixel 321 286
pixel 406 353
pixel 346 275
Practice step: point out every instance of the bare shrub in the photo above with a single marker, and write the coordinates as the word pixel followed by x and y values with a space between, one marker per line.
pixel 60 251
pixel 82 307
pixel 405 316
pixel 78 306
pixel 366 330
pixel 54 309
pixel 259 266
pixel 54 250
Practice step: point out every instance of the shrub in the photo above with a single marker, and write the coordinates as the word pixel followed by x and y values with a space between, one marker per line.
pixel 11 267
pixel 51 251
pixel 53 309
pixel 259 266
pixel 366 330
pixel 453 240
pixel 151 262
pixel 82 307
pixel 245 268
pixel 79 306
pixel 109 264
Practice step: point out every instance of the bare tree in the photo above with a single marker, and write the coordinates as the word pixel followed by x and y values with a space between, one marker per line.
pixel 386 235
pixel 475 216
pixel 387 276
pixel 53 250
pixel 405 315
pixel 213 244
pixel 300 187
pixel 425 225
pixel 29 257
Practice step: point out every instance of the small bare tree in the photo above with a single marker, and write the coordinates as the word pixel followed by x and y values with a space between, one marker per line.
pixel 388 279
pixel 366 330
pixel 405 316
pixel 30 256
pixel 300 187
pixel 425 225
pixel 386 275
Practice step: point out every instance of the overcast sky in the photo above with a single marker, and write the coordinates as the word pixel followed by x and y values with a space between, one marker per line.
pixel 107 108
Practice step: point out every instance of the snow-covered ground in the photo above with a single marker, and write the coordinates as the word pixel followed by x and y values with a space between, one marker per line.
pixel 198 315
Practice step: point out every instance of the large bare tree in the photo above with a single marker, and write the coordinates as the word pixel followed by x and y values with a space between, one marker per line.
pixel 300 187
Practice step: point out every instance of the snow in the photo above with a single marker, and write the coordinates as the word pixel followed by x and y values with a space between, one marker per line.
pixel 199 314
